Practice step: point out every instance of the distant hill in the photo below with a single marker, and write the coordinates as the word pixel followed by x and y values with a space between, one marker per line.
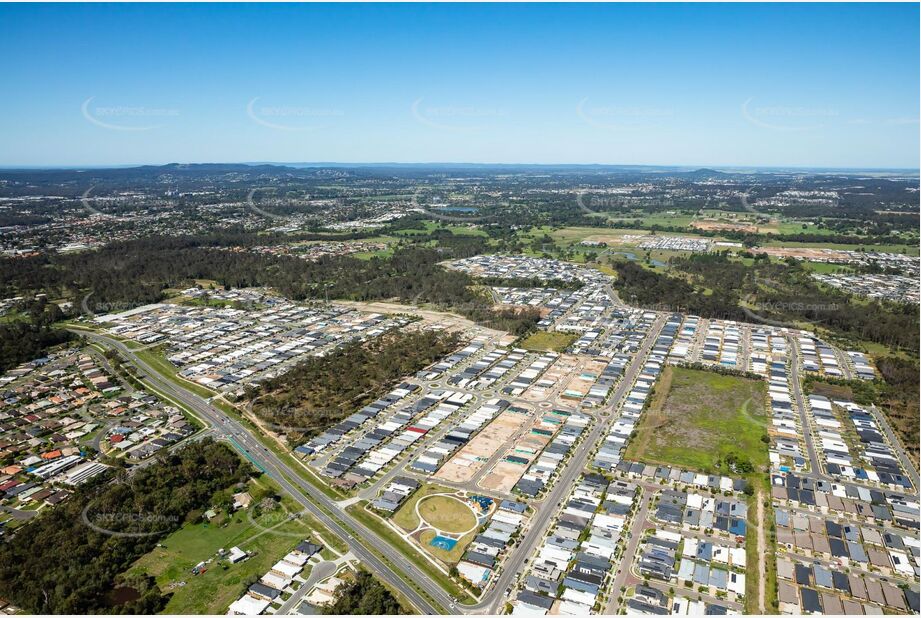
pixel 702 174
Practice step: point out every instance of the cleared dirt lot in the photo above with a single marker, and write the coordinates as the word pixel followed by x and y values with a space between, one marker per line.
pixel 555 373
pixel 724 225
pixel 465 464
pixel 582 379
pixel 526 449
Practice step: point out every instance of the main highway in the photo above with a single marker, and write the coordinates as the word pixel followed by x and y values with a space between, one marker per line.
pixel 311 498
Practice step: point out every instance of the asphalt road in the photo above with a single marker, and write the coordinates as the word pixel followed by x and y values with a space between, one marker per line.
pixel 624 573
pixel 318 573
pixel 306 494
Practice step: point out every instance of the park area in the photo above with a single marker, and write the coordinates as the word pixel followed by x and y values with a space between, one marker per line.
pixel 704 421
pixel 441 521
pixel 447 514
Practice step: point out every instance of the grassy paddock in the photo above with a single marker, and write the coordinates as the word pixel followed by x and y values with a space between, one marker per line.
pixel 697 418
pixel 542 341
pixel 268 536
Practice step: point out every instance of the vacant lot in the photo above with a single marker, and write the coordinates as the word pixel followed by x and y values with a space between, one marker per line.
pixel 699 418
pixel 543 341
pixel 468 461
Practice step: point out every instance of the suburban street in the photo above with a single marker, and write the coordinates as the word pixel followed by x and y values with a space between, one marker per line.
pixel 537 526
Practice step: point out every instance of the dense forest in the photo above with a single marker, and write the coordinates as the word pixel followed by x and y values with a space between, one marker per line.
pixel 27 338
pixel 67 560
pixel 363 596
pixel 124 275
pixel 645 288
pixel 900 400
pixel 314 394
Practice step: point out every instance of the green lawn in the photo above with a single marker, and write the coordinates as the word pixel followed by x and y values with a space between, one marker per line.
pixel 157 359
pixel 367 255
pixel 447 514
pixel 406 517
pixel 543 340
pixel 697 418
pixel 824 267
pixel 267 536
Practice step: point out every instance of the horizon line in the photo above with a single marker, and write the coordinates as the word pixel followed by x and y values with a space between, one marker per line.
pixel 689 167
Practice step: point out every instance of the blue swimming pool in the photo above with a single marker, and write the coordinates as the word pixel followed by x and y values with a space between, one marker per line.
pixel 443 542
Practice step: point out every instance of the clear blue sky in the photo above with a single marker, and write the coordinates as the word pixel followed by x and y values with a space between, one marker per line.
pixel 831 85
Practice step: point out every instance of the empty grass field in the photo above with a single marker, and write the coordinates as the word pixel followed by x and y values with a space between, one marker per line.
pixel 542 341
pixel 696 419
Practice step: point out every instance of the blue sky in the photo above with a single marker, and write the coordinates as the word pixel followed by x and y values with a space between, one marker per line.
pixel 832 85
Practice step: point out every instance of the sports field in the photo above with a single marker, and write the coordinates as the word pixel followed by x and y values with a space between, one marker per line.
pixel 697 419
